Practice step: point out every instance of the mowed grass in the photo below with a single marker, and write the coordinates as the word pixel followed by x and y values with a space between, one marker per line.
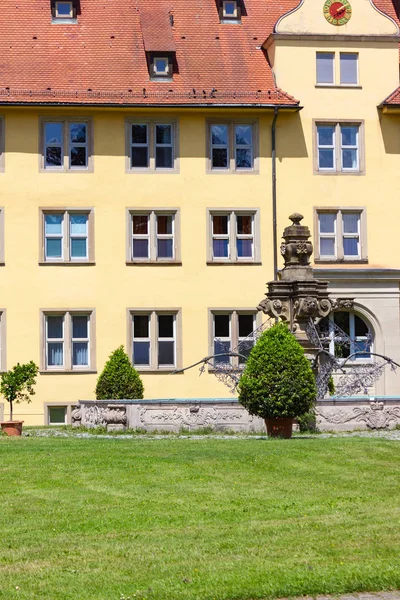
pixel 197 518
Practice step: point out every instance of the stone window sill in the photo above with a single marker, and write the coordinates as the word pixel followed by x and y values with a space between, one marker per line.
pixel 356 261
pixel 65 372
pixel 230 263
pixel 347 86
pixel 154 263
pixel 75 263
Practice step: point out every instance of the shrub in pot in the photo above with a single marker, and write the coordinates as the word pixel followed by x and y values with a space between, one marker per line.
pixel 119 379
pixel 16 385
pixel 277 384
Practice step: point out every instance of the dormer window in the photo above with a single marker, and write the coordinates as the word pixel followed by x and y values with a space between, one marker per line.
pixel 230 11
pixel 160 66
pixel 63 12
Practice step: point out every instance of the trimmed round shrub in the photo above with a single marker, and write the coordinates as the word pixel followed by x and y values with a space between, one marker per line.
pixel 278 380
pixel 119 379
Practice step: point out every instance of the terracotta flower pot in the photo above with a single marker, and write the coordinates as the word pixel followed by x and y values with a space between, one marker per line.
pixel 12 427
pixel 279 427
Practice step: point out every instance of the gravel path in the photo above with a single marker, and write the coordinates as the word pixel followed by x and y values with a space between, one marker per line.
pixel 395 595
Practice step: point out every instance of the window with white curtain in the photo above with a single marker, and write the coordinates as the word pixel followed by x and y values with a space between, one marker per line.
pixel 348 68
pixel 325 67
pixel 67 236
pixel 67 340
pixel 338 148
pixel 341 235
pixel 339 69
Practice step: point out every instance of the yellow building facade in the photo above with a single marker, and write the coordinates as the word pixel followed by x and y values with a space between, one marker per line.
pixel 167 260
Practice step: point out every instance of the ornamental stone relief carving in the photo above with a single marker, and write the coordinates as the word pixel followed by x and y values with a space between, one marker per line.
pixel 375 416
pixel 99 415
pixel 184 416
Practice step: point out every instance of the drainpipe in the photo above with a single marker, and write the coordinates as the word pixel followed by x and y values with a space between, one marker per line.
pixel 274 223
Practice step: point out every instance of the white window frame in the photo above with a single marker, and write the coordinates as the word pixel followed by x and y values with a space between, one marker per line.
pixel 66 145
pixel 153 236
pixel 71 13
pixel 154 337
pixel 338 148
pixel 339 235
pixel 67 340
pixel 151 125
pixel 67 236
pixel 233 236
pixel 167 70
pixel 141 339
pixel 224 13
pixel 337 71
pixel 234 337
pixel 354 339
pixel 231 146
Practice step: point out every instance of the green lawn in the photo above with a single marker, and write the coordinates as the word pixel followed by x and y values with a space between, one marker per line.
pixel 196 519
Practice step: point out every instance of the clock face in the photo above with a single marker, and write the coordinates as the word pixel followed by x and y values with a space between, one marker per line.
pixel 337 12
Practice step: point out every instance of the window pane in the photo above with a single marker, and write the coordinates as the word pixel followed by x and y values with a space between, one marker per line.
pixel 78 157
pixel 165 326
pixel 243 135
pixel 325 159
pixel 64 9
pixel 327 222
pixel 163 134
pixel 80 354
pixel 325 62
pixel 219 158
pixel 244 224
pixel 221 248
pixel 140 326
pixel 327 246
pixel 243 158
pixel 78 133
pixel 350 246
pixel 245 348
pixel 164 224
pixel 350 222
pixel 53 157
pixel 221 325
pixel 53 248
pixel 220 224
pixel 163 158
pixel 348 68
pixel 361 328
pixel 78 224
pixel 349 135
pixel 78 247
pixel 57 415
pixel 326 135
pixel 246 325
pixel 342 319
pixel 55 354
pixel 139 157
pixel 245 248
pixel 166 353
pixel 53 133
pixel 140 248
pixel 53 223
pixel 141 353
pixel 350 159
pixel 230 9
pixel 140 224
pixel 161 65
pixel 165 249
pixel 139 134
pixel 55 327
pixel 220 348
pixel 80 327
pixel 219 134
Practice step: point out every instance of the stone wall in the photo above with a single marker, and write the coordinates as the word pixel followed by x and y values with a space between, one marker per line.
pixel 228 415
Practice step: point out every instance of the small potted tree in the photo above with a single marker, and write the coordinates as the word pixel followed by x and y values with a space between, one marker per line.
pixel 278 384
pixel 17 386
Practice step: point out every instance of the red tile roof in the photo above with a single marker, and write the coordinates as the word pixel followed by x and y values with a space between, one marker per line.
pixel 393 99
pixel 101 59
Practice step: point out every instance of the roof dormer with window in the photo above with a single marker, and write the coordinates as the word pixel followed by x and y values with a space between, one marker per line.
pixel 63 11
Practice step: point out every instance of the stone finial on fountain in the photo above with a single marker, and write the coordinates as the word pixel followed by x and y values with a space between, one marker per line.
pixel 296 250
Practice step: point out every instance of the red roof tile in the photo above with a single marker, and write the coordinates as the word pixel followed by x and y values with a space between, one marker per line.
pixel 393 99
pixel 101 59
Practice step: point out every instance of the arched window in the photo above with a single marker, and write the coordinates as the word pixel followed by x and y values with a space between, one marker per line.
pixel 344 333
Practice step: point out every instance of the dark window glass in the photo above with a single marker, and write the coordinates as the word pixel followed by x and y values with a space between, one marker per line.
pixel 164 248
pixel 165 326
pixel 78 157
pixel 78 133
pixel 163 157
pixel 139 157
pixel 141 353
pixel 140 223
pixel 243 158
pixel 53 133
pixel 221 348
pixel 220 224
pixel 342 319
pixel 140 248
pixel 55 327
pixel 79 327
pixel 53 156
pixel 246 325
pixel 221 248
pixel 220 158
pixel 244 224
pixel 164 224
pixel 166 351
pixel 361 328
pixel 245 248
pixel 221 325
pixel 163 134
pixel 139 134
pixel 219 135
pixel 140 326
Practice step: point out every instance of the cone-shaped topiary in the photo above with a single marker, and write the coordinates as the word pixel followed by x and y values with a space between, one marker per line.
pixel 277 381
pixel 119 379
